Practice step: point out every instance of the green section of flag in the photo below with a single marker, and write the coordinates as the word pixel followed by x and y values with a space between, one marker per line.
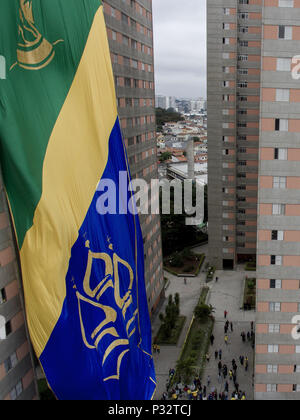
pixel 35 89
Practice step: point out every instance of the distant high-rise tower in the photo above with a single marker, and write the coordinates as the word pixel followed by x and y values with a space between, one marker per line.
pixel 253 171
pixel 130 33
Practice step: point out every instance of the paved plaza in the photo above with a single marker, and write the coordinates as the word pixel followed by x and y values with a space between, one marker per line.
pixel 226 294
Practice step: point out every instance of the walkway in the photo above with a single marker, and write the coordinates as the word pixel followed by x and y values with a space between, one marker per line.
pixel 225 295
pixel 189 296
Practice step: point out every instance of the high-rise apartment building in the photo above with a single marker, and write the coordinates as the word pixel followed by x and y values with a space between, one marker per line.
pixel 254 170
pixel 234 59
pixel 17 378
pixel 130 33
pixel 278 250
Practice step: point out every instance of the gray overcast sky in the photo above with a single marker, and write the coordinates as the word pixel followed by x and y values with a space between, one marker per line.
pixel 180 47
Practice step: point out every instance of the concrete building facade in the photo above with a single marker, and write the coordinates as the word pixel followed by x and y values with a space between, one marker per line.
pixel 253 171
pixel 17 376
pixel 278 251
pixel 234 51
pixel 130 33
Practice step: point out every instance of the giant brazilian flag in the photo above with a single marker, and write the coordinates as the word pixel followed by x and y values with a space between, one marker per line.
pixel 83 273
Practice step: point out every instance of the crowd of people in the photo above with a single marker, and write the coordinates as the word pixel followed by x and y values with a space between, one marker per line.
pixel 227 388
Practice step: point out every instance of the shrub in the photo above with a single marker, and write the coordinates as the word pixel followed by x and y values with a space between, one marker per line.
pixel 203 311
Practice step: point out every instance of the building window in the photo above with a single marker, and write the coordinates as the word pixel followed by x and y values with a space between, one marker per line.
pixel 286 3
pixel 281 124
pixel 280 154
pixel 8 328
pixel 271 388
pixel 275 307
pixel 284 64
pixel 243 29
pixel 279 182
pixel 278 210
pixel 16 391
pixel 274 328
pixel 11 362
pixel 282 95
pixel 275 284
pixel 276 260
pixel 2 296
pixel 277 235
pixel 285 32
pixel 273 348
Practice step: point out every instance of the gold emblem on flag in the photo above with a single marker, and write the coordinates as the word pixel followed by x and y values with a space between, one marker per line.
pixel 34 51
pixel 92 304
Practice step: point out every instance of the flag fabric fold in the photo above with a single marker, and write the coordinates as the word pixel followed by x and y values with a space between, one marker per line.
pixel 83 272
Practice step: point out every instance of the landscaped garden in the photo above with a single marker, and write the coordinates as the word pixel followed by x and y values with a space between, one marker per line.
pixel 185 262
pixel 171 323
pixel 250 266
pixel 192 358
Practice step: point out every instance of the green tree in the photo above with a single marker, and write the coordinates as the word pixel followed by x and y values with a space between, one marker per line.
pixel 175 234
pixel 203 311
pixel 165 156
pixel 163 116
pixel 186 368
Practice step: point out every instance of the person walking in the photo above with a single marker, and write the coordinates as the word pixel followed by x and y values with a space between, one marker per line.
pixel 185 281
pixel 242 360
pixel 220 354
pixel 231 326
pixel 226 339
pixel 225 371
pixel 226 387
pixel 225 314
pixel 212 339
pixel 220 367
pixel 234 368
